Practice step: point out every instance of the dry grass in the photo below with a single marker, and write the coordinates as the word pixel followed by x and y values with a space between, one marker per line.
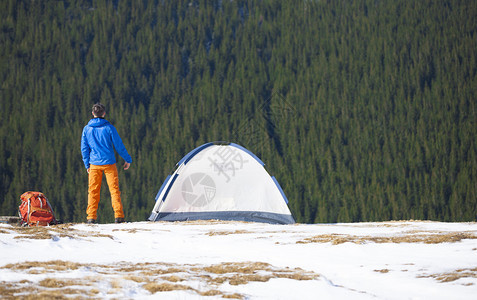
pixel 243 273
pixel 242 268
pixel 55 232
pixel 233 296
pixel 173 278
pixel 154 272
pixel 8 290
pixel 453 276
pixel 59 283
pixel 154 287
pixel 47 266
pixel 213 233
pixel 409 237
pixel 47 289
pixel 153 277
pixel 59 295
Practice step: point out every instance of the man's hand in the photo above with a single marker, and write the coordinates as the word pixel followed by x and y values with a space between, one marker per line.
pixel 126 165
pixel 87 170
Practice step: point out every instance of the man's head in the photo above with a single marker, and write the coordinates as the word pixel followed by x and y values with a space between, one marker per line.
pixel 99 110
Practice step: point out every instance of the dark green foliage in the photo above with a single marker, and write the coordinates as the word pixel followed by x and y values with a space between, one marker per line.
pixel 363 110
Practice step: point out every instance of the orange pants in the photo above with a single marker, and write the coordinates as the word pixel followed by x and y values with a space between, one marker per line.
pixel 95 179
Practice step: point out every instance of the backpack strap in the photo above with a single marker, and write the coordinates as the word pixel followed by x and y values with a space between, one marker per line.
pixel 51 210
pixel 29 212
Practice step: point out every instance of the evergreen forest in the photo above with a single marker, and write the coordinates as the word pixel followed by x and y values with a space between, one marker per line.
pixel 364 110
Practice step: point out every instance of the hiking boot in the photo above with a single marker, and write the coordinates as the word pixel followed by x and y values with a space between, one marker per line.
pixel 119 220
pixel 91 221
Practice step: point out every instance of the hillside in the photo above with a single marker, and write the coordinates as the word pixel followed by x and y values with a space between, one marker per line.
pixel 363 110
pixel 217 260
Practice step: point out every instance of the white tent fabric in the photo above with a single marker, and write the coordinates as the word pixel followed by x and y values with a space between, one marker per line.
pixel 221 181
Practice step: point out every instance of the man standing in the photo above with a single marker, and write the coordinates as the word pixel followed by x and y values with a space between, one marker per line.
pixel 98 142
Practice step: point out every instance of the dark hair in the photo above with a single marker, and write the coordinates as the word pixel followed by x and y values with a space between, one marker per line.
pixel 98 110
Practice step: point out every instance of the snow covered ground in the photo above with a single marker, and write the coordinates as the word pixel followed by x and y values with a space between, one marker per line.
pixel 215 260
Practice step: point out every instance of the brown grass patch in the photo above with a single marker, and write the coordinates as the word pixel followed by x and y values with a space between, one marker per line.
pixel 233 296
pixel 239 279
pixel 150 269
pixel 243 273
pixel 382 271
pixel 155 272
pixel 153 287
pixel 173 278
pixel 59 283
pixel 48 266
pixel 412 237
pixel 219 293
pixel 244 268
pixel 58 294
pixel 297 274
pixel 453 276
pixel 33 233
pixel 213 233
pixel 55 231
pixel 11 290
pixel 8 289
pixel 211 293
pixel 154 277
pixel 135 278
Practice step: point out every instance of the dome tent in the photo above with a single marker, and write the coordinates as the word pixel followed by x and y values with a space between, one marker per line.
pixel 223 181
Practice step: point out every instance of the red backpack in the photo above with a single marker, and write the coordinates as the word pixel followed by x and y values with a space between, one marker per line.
pixel 35 210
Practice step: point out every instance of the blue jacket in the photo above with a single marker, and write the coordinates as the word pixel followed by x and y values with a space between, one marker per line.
pixel 97 142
